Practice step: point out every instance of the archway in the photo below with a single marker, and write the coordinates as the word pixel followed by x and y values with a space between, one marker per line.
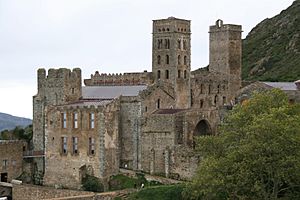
pixel 201 129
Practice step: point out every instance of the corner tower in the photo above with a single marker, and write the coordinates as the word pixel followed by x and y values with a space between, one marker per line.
pixel 171 56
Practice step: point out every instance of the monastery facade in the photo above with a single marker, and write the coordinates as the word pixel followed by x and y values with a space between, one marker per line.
pixel 141 121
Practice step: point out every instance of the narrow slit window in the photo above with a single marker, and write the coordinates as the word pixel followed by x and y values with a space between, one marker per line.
pixel 91 146
pixel 64 145
pixel 75 145
pixel 167 74
pixel 75 118
pixel 92 120
pixel 64 120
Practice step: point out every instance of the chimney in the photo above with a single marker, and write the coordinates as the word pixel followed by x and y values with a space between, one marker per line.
pixel 297 83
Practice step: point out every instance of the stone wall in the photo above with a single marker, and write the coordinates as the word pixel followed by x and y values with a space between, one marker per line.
pixel 11 158
pixel 67 168
pixel 31 192
pixel 130 124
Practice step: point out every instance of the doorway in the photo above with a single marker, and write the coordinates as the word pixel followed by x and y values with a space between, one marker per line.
pixel 4 177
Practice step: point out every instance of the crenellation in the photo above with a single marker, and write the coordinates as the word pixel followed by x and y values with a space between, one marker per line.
pixel 105 79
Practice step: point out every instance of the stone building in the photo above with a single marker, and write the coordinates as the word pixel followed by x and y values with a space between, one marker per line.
pixel 141 121
pixel 11 159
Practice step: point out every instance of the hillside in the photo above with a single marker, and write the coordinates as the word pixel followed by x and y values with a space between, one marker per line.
pixel 9 122
pixel 271 51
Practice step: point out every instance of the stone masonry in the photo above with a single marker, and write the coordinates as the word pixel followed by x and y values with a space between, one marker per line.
pixel 143 121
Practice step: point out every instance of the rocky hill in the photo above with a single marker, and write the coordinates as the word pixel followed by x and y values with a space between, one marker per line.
pixel 10 122
pixel 271 51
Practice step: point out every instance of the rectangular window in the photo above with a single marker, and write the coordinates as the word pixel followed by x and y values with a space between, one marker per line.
pixel 64 145
pixel 75 120
pixel 92 120
pixel 4 164
pixel 91 146
pixel 64 119
pixel 75 145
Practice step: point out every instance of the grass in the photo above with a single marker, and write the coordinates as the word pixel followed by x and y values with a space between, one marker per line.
pixel 162 192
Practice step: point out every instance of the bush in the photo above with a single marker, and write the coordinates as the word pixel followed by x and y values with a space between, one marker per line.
pixel 165 192
pixel 92 183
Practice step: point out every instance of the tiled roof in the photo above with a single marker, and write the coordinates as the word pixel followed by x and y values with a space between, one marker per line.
pixel 91 102
pixel 110 92
pixel 282 85
pixel 168 111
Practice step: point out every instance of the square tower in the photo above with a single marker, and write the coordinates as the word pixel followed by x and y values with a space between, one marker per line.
pixel 171 56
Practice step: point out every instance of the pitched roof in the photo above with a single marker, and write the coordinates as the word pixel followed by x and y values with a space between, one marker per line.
pixel 110 92
pixel 91 102
pixel 282 85
pixel 168 111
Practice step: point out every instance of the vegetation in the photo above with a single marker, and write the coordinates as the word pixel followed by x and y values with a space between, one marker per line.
pixel 256 156
pixel 271 50
pixel 165 192
pixel 18 133
pixel 120 181
pixel 92 183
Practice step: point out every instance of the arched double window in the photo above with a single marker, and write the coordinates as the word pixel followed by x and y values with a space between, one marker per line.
pixel 179 60
pixel 185 60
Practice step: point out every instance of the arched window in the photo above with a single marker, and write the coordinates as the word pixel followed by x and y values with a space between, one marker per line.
pixel 167 59
pixel 216 100
pixel 158 103
pixel 179 44
pixel 179 62
pixel 158 74
pixel 179 73
pixel 184 74
pixel 201 89
pixel 159 43
pixel 167 74
pixel 167 43
pixel 184 44
pixel 158 59
pixel 219 89
pixel 185 60
pixel 209 89
pixel 201 103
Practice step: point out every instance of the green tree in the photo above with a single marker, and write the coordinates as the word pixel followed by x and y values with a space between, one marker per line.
pixel 255 156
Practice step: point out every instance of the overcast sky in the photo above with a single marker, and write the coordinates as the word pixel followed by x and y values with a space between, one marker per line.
pixel 105 35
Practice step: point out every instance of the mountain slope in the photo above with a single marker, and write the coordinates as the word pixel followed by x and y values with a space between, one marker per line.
pixel 10 122
pixel 271 51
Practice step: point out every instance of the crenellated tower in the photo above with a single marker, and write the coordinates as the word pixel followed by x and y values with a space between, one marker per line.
pixel 171 56
pixel 59 87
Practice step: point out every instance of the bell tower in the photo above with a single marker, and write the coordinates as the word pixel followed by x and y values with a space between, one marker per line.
pixel 225 52
pixel 171 56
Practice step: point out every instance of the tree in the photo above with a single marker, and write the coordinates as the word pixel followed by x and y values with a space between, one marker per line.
pixel 255 156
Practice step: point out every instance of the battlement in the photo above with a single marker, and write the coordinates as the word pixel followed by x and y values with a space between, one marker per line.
pixel 219 26
pixel 59 85
pixel 59 73
pixel 103 79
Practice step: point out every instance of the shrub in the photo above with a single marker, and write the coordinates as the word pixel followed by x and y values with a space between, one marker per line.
pixel 92 183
